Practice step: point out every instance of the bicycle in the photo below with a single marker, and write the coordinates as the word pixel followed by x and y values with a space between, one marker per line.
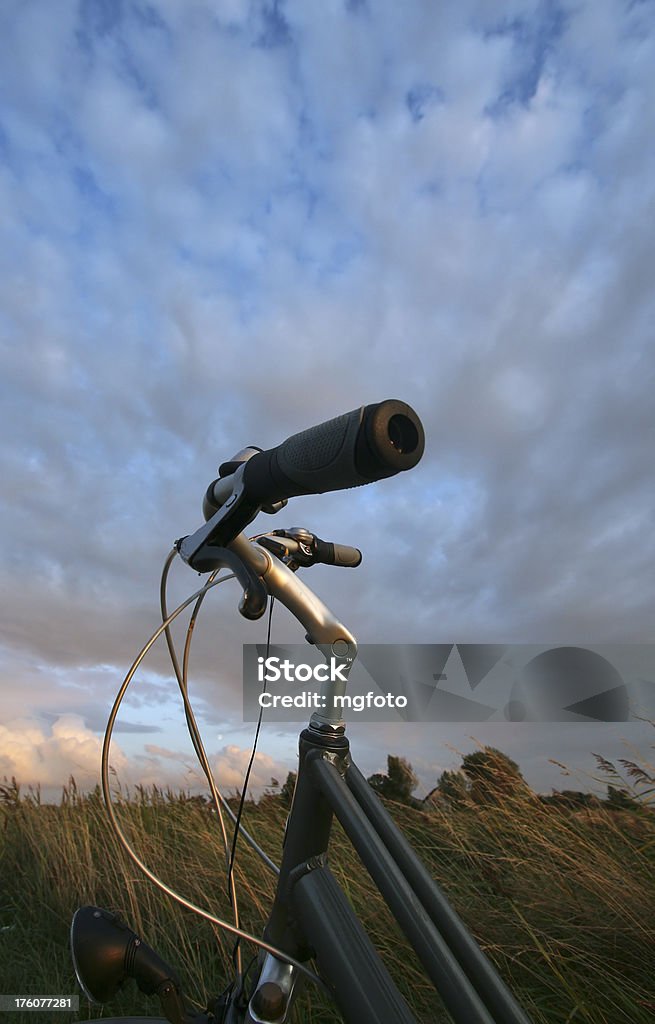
pixel 311 917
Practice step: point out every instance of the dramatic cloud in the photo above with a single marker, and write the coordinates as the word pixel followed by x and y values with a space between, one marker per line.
pixel 35 757
pixel 45 759
pixel 223 223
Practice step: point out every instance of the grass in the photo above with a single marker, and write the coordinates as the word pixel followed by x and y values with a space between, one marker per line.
pixel 562 900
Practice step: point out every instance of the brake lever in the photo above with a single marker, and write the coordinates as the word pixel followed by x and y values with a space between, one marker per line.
pixel 198 549
pixel 210 556
pixel 295 553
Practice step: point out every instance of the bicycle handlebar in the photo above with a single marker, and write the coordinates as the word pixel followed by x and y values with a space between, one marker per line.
pixel 359 447
pixel 367 444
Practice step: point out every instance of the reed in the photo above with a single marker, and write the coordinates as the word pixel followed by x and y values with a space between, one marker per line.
pixel 562 900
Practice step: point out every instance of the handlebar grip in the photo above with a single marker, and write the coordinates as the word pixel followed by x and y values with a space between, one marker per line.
pixel 336 554
pixel 367 444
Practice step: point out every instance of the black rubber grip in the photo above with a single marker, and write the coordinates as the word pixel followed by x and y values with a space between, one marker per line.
pixel 367 444
pixel 336 554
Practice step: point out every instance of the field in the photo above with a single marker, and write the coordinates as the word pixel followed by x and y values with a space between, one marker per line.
pixel 562 900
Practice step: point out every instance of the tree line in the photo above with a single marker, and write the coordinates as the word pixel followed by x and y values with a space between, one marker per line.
pixel 489 776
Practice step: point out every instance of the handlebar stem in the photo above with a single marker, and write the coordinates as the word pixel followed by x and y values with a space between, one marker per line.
pixel 322 627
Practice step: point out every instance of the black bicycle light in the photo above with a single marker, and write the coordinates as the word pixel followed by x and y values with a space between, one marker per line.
pixel 106 952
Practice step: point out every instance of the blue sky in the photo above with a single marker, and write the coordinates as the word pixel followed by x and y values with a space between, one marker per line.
pixel 223 222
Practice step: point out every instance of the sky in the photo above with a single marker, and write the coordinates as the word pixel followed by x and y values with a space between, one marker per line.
pixel 223 222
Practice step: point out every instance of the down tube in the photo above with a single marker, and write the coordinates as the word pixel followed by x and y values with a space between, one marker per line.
pixel 347 960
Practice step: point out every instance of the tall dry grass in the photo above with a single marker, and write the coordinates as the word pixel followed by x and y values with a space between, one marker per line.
pixel 562 901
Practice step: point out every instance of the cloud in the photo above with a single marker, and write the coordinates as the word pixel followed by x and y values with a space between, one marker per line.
pixel 43 758
pixel 222 225
pixel 229 766
pixel 35 757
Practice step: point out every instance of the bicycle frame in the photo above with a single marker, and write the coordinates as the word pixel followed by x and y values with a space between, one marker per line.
pixel 311 915
pixel 311 912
